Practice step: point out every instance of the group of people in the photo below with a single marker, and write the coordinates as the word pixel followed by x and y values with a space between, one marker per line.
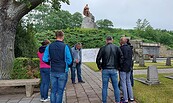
pixel 57 57
pixel 112 59
pixel 55 60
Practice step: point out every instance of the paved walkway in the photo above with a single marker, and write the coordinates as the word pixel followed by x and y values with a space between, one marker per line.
pixel 89 92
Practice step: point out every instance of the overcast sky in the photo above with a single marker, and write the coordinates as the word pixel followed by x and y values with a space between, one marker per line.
pixel 125 13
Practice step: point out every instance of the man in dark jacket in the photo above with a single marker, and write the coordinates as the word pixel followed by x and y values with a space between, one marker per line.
pixel 111 57
pixel 125 71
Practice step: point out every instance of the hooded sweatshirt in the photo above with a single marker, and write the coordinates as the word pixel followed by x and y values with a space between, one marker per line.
pixel 40 54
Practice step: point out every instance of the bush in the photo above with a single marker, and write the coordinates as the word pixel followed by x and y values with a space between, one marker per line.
pixel 25 42
pixel 25 68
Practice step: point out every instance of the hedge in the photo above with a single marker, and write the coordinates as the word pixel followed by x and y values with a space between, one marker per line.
pixel 25 68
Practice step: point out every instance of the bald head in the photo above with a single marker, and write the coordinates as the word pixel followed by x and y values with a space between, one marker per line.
pixel 123 40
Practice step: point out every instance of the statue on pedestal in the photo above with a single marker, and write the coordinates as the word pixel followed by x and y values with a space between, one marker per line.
pixel 88 20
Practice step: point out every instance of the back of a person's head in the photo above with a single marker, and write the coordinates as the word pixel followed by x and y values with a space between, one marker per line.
pixel 128 41
pixel 108 38
pixel 59 34
pixel 45 42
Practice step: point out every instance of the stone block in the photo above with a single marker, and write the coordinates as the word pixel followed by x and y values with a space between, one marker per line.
pixel 168 61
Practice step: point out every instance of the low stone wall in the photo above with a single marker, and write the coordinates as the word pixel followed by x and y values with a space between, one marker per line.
pixel 164 52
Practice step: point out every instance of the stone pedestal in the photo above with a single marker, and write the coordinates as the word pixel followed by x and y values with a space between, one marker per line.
pixel 88 23
pixel 152 76
pixel 154 59
pixel 170 77
pixel 168 61
pixel 141 62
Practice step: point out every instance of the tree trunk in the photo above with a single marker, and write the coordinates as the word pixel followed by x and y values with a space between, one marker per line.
pixel 11 11
pixel 7 38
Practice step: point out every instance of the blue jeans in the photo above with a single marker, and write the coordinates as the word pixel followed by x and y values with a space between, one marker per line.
pixel 126 85
pixel 131 78
pixel 45 82
pixel 58 83
pixel 112 74
pixel 73 74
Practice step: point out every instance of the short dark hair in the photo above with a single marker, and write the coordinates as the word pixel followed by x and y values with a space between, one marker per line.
pixel 59 34
pixel 109 38
pixel 45 42
pixel 78 43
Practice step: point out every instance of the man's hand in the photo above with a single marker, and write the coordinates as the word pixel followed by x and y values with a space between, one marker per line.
pixel 77 61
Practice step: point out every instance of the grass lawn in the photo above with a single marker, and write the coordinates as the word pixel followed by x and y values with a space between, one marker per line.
pixel 160 65
pixel 162 93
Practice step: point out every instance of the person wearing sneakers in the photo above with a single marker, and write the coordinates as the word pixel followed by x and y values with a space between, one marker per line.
pixel 77 60
pixel 125 71
pixel 44 72
pixel 59 56
pixel 108 61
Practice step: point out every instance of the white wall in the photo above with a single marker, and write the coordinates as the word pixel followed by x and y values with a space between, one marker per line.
pixel 89 55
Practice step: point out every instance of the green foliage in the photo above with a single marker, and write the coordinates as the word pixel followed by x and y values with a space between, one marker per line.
pixel 25 42
pixel 25 68
pixel 142 25
pixel 44 17
pixel 104 23
pixel 56 4
pixel 90 38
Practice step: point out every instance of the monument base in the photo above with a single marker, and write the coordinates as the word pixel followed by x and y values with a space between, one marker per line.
pixel 88 23
pixel 170 77
pixel 147 82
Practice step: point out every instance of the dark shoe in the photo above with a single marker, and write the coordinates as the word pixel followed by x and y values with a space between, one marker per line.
pixel 81 81
pixel 73 83
pixel 131 100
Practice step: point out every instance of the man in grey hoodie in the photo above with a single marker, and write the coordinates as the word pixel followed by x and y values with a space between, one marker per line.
pixel 77 60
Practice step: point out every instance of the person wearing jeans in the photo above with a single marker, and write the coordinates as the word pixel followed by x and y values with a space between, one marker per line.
pixel 111 57
pixel 106 74
pixel 44 72
pixel 77 60
pixel 125 71
pixel 58 81
pixel 59 56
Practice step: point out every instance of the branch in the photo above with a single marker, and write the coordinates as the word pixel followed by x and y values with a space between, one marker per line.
pixel 21 9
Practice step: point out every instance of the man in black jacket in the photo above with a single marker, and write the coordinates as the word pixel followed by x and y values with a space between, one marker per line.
pixel 111 57
pixel 125 71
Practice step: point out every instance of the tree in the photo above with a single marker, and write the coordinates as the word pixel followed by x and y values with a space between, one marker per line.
pixel 77 19
pixel 142 25
pixel 25 42
pixel 11 11
pixel 104 23
pixel 46 18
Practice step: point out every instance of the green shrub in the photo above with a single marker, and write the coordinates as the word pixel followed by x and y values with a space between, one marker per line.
pixel 25 68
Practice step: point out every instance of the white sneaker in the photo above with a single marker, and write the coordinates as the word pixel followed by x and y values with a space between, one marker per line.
pixel 41 100
pixel 46 100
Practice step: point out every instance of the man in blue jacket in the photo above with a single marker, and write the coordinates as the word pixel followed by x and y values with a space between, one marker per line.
pixel 59 56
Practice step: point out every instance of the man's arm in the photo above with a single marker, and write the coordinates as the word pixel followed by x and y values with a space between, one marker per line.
pixel 68 56
pixel 46 57
pixel 99 57
pixel 121 58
